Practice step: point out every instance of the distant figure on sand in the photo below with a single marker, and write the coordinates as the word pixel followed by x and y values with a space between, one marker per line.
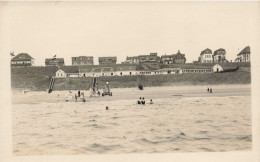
pixel 107 108
pixel 151 101
pixel 78 93
pixel 58 98
pixel 82 97
pixel 208 89
pixel 139 101
pixel 76 97
pixel 69 96
pixel 143 101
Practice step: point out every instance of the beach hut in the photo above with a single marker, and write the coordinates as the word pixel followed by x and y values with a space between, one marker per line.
pixel 217 68
pixel 61 74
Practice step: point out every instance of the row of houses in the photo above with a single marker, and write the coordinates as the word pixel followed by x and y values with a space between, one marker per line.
pixel 206 56
pixel 219 56
pixel 129 70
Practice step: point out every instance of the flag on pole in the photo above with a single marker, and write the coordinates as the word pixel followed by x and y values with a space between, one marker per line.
pixel 12 54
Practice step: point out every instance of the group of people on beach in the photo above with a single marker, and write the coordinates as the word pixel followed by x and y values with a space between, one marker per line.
pixel 69 97
pixel 141 101
pixel 209 90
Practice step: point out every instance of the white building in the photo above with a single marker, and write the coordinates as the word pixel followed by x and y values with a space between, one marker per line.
pixel 67 72
pixel 206 56
pixel 217 68
pixel 61 74
pixel 244 55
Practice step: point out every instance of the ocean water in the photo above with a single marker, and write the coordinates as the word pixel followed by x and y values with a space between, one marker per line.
pixel 191 124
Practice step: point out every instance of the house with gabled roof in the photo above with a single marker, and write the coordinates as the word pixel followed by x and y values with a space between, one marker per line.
pixel 22 60
pixel 64 72
pixel 219 56
pixel 178 58
pixel 206 56
pixel 244 55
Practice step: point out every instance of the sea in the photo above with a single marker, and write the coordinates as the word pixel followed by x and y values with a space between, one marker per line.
pixel 190 124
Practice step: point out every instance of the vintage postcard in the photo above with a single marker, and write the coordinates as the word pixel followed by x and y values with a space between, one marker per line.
pixel 137 81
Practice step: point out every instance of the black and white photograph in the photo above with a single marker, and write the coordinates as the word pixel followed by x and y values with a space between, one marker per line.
pixel 130 78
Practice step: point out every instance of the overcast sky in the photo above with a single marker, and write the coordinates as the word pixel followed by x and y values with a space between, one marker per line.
pixel 121 29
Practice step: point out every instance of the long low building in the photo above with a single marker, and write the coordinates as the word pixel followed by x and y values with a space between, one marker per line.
pixel 129 70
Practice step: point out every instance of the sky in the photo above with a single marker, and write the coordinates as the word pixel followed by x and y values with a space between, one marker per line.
pixel 70 29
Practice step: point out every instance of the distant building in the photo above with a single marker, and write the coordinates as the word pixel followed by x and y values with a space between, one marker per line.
pixel 244 55
pixel 107 60
pixel 178 58
pixel 217 68
pixel 219 56
pixel 22 60
pixel 82 60
pixel 206 56
pixel 54 62
pixel 126 70
pixel 132 60
pixel 110 70
pixel 61 74
pixel 64 72
pixel 167 59
pixel 152 58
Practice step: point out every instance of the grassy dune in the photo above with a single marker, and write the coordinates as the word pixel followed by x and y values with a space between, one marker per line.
pixel 37 78
pixel 242 76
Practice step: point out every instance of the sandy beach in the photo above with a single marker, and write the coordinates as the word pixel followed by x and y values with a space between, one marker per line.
pixel 135 93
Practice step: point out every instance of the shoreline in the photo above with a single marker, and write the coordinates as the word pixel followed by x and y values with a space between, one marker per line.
pixel 34 97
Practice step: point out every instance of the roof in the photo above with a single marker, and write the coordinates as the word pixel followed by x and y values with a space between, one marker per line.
pixel 175 56
pixel 221 50
pixel 225 67
pixel 106 68
pixel 206 51
pixel 163 56
pixel 245 50
pixel 179 56
pixel 105 58
pixel 126 68
pixel 131 57
pixel 22 56
pixel 70 69
pixel 83 56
